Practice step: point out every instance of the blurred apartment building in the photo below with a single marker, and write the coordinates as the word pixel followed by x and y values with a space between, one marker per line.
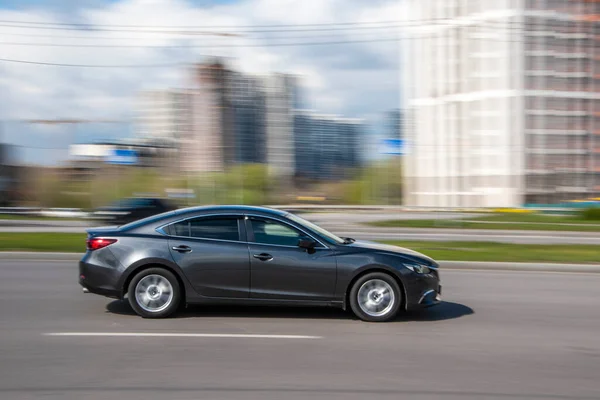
pixel 282 99
pixel 9 175
pixel 162 120
pixel 393 122
pixel 503 102
pixel 227 118
pixel 224 118
pixel 326 145
pixel 163 115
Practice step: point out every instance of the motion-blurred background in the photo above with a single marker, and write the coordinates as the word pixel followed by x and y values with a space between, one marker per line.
pixel 253 102
pixel 451 103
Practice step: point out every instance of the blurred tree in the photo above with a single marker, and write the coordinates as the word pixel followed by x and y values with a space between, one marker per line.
pixel 247 184
pixel 379 183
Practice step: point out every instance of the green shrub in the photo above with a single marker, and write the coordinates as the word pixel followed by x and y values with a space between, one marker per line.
pixel 591 214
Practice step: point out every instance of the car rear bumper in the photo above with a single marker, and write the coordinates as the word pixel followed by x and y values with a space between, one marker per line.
pixel 100 273
pixel 112 293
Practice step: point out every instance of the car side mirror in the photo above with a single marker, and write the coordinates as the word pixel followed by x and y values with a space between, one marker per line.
pixel 307 244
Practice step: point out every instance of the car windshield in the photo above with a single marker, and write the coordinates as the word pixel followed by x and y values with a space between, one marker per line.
pixel 330 237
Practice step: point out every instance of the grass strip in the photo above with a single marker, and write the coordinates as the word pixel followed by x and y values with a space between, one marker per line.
pixel 455 251
pixel 499 222
pixel 505 252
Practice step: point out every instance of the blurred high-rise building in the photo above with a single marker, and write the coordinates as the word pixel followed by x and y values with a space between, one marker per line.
pixel 163 114
pixel 326 146
pixel 9 174
pixel 281 99
pixel 503 102
pixel 238 118
pixel 248 104
pixel 209 145
pixel 164 121
pixel 227 117
pixel 393 124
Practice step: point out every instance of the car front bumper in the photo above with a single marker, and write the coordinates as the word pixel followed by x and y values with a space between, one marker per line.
pixel 431 297
pixel 423 291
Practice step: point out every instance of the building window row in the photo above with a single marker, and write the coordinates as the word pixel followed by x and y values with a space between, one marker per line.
pixel 562 104
pixel 558 122
pixel 556 161
pixel 558 141
pixel 561 83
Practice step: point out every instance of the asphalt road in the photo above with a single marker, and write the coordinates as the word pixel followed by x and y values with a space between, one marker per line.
pixel 499 335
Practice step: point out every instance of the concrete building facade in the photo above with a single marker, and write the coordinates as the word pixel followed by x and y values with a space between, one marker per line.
pixel 502 102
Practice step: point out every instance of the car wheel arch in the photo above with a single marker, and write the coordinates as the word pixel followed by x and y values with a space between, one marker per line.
pixel 139 267
pixel 371 269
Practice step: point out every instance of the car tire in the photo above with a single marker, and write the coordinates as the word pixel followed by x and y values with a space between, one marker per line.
pixel 154 293
pixel 375 297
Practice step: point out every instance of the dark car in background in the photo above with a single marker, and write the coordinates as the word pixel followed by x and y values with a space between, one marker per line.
pixel 132 209
pixel 252 255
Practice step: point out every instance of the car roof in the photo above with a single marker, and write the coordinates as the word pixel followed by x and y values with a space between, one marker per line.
pixel 168 217
pixel 231 208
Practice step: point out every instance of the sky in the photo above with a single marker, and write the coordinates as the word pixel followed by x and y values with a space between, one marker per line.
pixel 359 80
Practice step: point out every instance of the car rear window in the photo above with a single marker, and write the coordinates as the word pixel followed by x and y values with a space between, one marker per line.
pixel 222 228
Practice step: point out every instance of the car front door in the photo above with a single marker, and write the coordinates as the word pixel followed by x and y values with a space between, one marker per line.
pixel 213 254
pixel 280 269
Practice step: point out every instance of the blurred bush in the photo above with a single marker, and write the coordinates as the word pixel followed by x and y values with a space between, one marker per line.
pixel 380 183
pixel 251 184
pixel 248 184
pixel 591 214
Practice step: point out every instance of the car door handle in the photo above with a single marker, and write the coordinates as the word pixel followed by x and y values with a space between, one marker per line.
pixel 263 257
pixel 182 249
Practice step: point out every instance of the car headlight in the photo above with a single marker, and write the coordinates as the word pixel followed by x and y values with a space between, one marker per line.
pixel 418 268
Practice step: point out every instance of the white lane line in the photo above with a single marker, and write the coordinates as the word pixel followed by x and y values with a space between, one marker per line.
pixel 183 335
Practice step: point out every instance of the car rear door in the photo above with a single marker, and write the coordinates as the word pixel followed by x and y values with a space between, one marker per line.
pixel 213 254
pixel 282 270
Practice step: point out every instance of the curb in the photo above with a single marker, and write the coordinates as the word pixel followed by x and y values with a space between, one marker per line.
pixel 445 265
pixel 523 267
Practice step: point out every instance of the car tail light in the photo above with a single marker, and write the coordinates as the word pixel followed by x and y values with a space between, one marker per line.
pixel 98 243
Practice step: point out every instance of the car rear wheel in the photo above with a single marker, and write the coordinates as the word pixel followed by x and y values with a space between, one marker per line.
pixel 154 293
pixel 375 297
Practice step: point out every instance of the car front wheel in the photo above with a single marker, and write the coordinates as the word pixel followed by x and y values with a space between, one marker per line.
pixel 375 297
pixel 154 293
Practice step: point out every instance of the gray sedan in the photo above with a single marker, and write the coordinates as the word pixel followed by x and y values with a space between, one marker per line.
pixel 252 255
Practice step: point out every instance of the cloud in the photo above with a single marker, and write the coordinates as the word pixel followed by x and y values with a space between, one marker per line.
pixel 352 79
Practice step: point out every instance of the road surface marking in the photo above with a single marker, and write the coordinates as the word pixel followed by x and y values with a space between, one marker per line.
pixel 192 335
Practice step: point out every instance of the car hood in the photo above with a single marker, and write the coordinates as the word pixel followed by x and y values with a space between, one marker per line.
pixel 388 248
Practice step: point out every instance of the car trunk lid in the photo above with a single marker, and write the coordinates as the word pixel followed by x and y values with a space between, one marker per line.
pixel 102 230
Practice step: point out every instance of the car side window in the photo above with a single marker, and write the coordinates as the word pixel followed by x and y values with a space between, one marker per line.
pixel 268 231
pixel 222 228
